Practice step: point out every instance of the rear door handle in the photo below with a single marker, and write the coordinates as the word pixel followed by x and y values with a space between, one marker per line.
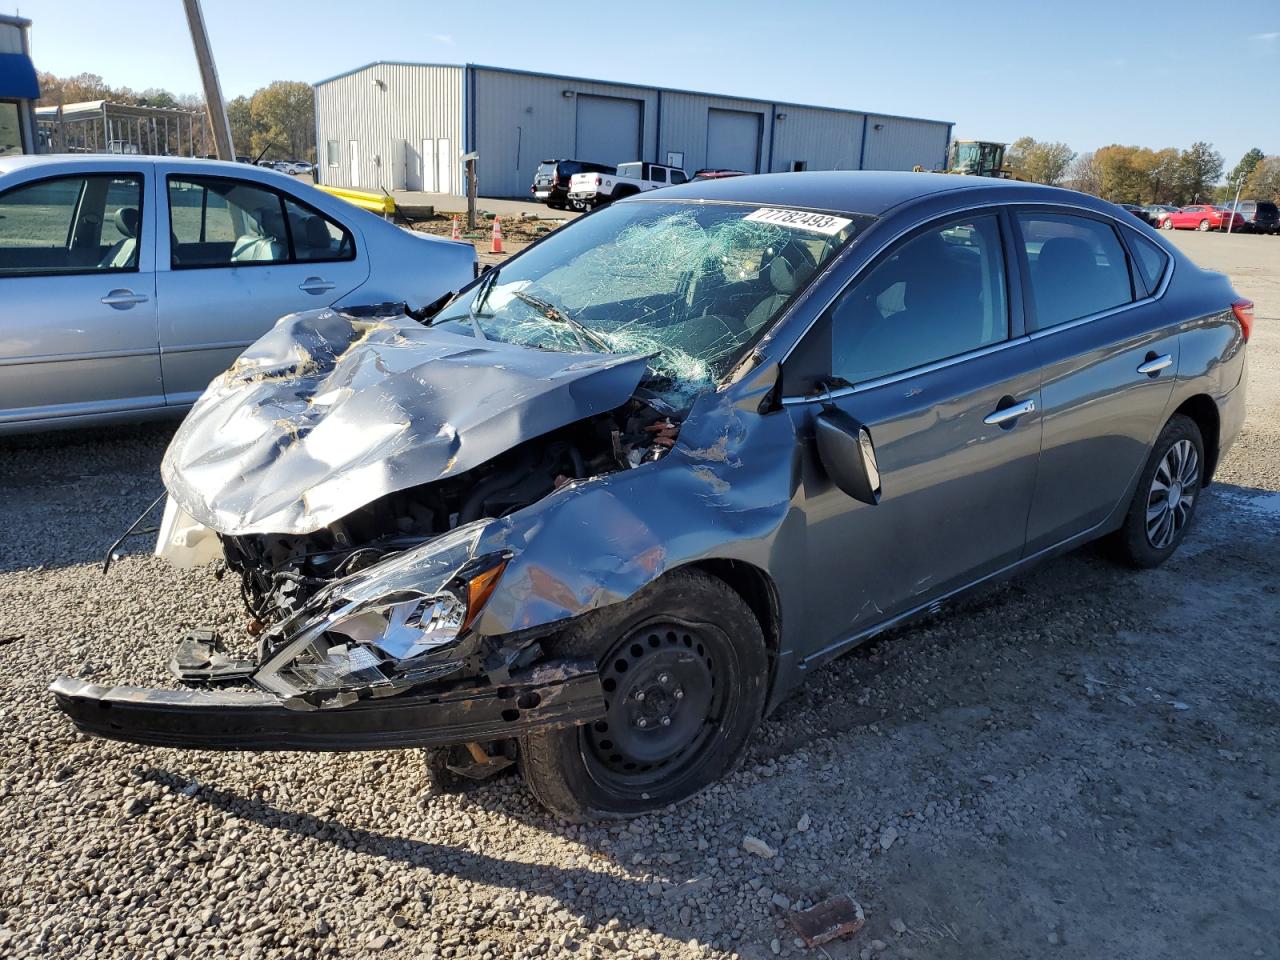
pixel 316 285
pixel 123 299
pixel 1154 365
pixel 1005 414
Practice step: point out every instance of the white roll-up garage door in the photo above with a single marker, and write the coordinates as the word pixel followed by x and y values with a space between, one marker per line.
pixel 608 130
pixel 733 140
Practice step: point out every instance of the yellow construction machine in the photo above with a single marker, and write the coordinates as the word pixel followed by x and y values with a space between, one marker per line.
pixel 979 158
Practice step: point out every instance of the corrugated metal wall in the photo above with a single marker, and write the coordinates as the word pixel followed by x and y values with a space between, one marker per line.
pixel 684 126
pixel 519 119
pixel 389 123
pixel 900 144
pixel 822 139
pixel 522 119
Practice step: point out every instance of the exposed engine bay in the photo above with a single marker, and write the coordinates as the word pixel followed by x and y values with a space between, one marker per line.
pixel 280 573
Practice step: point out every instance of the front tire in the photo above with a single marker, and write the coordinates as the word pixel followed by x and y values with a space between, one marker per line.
pixel 1167 223
pixel 1164 504
pixel 685 670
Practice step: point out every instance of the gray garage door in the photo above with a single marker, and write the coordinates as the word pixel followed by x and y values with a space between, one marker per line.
pixel 733 140
pixel 608 130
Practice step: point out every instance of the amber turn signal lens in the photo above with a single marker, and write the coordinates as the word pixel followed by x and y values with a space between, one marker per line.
pixel 479 589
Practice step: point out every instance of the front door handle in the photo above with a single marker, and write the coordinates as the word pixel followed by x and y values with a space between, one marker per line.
pixel 123 299
pixel 1005 414
pixel 1154 365
pixel 316 285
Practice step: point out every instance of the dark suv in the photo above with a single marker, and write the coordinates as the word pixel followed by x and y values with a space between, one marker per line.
pixel 551 180
pixel 1260 216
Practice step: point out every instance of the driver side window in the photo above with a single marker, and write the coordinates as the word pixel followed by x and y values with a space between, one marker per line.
pixel 939 294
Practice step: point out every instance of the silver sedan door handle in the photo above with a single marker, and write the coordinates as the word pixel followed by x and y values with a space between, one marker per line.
pixel 1155 365
pixel 123 299
pixel 1009 413
pixel 316 285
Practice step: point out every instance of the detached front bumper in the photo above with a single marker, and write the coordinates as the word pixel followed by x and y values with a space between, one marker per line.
pixel 550 695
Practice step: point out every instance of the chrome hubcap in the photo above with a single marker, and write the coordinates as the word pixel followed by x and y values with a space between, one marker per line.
pixel 1172 494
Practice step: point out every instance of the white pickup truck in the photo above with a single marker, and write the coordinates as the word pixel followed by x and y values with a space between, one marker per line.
pixel 597 189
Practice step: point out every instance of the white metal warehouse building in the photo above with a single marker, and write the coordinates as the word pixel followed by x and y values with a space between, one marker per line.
pixel 405 126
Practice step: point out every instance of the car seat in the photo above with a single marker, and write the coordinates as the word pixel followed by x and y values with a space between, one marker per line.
pixel 123 251
pixel 265 245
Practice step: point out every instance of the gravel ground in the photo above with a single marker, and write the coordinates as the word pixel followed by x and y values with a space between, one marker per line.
pixel 1081 761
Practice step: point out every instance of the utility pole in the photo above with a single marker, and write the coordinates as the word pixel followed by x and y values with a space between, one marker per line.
pixel 469 173
pixel 1235 205
pixel 209 77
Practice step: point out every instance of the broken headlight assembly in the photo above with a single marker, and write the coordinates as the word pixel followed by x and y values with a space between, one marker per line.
pixel 389 628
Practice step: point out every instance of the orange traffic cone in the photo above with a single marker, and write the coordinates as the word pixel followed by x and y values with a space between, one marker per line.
pixel 497 236
pixel 457 232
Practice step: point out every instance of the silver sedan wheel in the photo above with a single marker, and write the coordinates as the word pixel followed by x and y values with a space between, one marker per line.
pixel 1172 493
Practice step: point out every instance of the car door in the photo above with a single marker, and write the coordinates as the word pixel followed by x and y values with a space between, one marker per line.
pixel 77 294
pixel 925 351
pixel 1109 353
pixel 240 254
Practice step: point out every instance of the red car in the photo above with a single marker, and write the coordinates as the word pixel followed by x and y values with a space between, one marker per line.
pixel 1201 216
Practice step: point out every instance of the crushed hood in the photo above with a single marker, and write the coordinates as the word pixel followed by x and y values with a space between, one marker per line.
pixel 330 411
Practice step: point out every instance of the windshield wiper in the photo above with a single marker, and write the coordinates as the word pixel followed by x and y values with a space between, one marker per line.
pixel 582 333
pixel 478 302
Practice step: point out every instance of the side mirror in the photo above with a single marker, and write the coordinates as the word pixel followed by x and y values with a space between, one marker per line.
pixel 848 455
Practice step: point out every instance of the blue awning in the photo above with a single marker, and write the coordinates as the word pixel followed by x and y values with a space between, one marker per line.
pixel 18 77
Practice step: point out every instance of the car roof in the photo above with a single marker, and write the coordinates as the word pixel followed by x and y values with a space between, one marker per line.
pixel 855 191
pixel 91 160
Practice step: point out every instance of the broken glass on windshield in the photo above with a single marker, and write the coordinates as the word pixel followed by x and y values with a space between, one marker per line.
pixel 690 285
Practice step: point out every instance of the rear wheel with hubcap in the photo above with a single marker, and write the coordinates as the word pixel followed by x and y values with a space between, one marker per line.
pixel 684 669
pixel 1165 501
pixel 1204 226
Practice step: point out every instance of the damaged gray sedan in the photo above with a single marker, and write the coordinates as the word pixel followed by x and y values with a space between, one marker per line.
pixel 602 511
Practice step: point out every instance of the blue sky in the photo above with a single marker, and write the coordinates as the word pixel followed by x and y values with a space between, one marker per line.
pixel 1151 72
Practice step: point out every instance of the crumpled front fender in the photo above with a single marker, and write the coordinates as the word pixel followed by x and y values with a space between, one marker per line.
pixel 723 492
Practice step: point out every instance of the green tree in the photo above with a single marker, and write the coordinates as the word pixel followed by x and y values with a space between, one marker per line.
pixel 1248 163
pixel 284 120
pixel 1165 174
pixel 240 117
pixel 1042 162
pixel 1201 168
pixel 1124 173
pixel 1263 182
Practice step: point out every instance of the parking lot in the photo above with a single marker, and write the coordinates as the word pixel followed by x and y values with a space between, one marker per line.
pixel 1082 761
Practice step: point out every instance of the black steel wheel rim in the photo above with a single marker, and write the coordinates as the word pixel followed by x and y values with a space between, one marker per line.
pixel 664 699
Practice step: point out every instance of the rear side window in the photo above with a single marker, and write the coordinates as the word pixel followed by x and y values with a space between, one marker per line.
pixel 658 175
pixel 315 236
pixel 940 294
pixel 222 222
pixel 1152 261
pixel 1077 267
pixel 67 225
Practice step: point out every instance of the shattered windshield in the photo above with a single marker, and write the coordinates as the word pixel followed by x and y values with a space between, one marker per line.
pixel 690 284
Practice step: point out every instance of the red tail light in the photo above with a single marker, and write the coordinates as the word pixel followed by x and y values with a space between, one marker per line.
pixel 598 181
pixel 1243 309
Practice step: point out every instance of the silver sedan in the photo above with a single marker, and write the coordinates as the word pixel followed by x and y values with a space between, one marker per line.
pixel 127 283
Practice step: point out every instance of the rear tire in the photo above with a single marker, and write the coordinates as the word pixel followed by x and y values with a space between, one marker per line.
pixel 1164 503
pixel 685 671
pixel 1204 226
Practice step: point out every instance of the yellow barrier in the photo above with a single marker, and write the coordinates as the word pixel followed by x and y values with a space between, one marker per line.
pixel 381 203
